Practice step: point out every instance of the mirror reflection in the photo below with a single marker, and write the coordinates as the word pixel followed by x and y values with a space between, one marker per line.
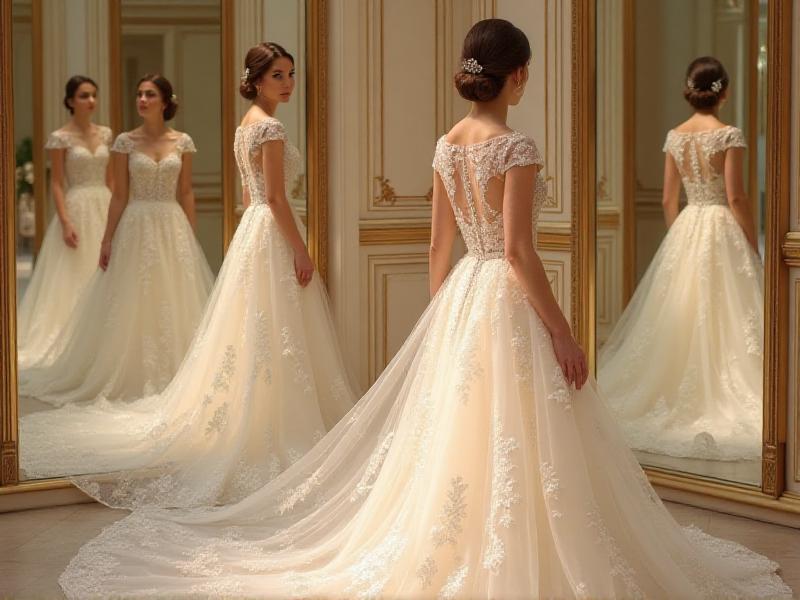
pixel 680 212
pixel 119 231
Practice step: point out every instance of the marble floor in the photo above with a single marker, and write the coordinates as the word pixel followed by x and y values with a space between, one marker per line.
pixel 37 544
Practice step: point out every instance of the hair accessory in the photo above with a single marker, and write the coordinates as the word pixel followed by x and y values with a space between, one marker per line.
pixel 246 75
pixel 173 97
pixel 690 84
pixel 470 65
pixel 716 86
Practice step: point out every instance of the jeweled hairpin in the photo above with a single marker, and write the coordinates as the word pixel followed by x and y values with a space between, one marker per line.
pixel 246 75
pixel 174 97
pixel 716 87
pixel 470 65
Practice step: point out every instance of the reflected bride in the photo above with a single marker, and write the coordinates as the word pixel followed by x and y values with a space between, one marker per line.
pixel 683 367
pixel 264 378
pixel 80 178
pixel 472 468
pixel 135 320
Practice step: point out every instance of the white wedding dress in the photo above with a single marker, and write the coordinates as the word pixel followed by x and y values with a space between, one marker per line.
pixel 263 381
pixel 682 369
pixel 61 272
pixel 133 323
pixel 469 470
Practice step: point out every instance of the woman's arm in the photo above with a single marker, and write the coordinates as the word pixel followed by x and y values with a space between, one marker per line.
pixel 737 197
pixel 245 197
pixel 110 176
pixel 185 191
pixel 672 190
pixel 275 194
pixel 68 233
pixel 443 235
pixel 528 267
pixel 119 200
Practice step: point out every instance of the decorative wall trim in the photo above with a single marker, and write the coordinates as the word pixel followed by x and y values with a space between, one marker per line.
pixel 791 249
pixel 381 236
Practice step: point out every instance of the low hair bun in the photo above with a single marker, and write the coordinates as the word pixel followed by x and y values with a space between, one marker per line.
pixel 478 87
pixel 706 82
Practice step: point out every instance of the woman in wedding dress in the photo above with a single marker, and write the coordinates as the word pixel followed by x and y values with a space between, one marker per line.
pixel 80 180
pixel 472 468
pixel 264 378
pixel 133 323
pixel 695 323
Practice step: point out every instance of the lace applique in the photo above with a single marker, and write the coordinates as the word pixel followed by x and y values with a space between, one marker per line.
pixel 454 583
pixel 374 465
pixel 561 394
pixel 426 572
pixel 123 144
pixel 299 494
pixel 453 513
pixel 293 352
pixel 219 420
pixel 619 566
pixel 504 496
pixel 224 374
pixel 57 140
pixel 185 144
pixel 372 569
pixel 753 330
pixel 550 486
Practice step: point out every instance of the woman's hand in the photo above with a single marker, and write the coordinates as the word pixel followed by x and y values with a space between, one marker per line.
pixel 105 254
pixel 69 234
pixel 303 267
pixel 571 358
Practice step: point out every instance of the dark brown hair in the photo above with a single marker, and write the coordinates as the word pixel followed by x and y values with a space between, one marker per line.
pixel 72 88
pixel 703 75
pixel 167 95
pixel 499 48
pixel 257 62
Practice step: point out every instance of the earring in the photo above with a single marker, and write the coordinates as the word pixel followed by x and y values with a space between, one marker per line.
pixel 258 90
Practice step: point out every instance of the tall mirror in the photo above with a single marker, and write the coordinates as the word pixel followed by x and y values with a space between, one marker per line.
pixel 680 219
pixel 64 161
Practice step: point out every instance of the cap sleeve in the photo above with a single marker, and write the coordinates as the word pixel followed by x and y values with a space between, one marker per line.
pixel 268 130
pixel 438 157
pixel 734 138
pixel 186 144
pixel 667 142
pixel 57 140
pixel 521 151
pixel 123 144
pixel 106 135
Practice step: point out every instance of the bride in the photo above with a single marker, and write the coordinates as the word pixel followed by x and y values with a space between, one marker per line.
pixel 695 323
pixel 472 468
pixel 133 323
pixel 263 379
pixel 80 179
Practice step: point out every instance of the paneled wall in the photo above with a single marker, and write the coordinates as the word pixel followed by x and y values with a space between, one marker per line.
pixel 391 96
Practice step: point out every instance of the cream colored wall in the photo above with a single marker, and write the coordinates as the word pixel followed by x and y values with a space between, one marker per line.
pixel 390 98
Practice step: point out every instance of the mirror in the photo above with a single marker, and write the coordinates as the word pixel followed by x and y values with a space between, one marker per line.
pixel 680 311
pixel 183 40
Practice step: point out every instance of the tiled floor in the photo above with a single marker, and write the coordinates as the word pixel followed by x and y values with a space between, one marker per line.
pixel 36 545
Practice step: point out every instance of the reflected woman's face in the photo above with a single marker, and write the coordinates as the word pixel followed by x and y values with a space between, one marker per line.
pixel 85 99
pixel 277 84
pixel 148 99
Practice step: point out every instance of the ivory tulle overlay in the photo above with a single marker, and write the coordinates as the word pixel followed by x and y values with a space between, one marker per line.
pixel 62 272
pixel 133 323
pixel 262 382
pixel 469 470
pixel 683 367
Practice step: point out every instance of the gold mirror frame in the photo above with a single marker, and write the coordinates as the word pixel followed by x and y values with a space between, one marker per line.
pixel 771 494
pixel 317 169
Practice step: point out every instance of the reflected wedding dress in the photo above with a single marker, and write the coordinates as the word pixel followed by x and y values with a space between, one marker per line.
pixel 262 382
pixel 134 322
pixel 683 367
pixel 61 273
pixel 469 470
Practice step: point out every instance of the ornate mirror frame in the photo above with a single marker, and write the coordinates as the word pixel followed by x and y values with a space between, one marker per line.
pixel 771 493
pixel 317 169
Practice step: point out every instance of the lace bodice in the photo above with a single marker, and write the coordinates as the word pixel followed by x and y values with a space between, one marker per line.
pixel 82 167
pixel 700 157
pixel 151 180
pixel 473 176
pixel 247 147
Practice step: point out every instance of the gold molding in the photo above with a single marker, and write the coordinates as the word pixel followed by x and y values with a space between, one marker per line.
pixel 796 378
pixel 791 249
pixel 384 236
pixel 36 485
pixel 228 103
pixel 115 58
pixel 554 241
pixel 629 151
pixel 583 106
pixel 608 220
pixel 39 170
pixel 776 273
pixel 9 464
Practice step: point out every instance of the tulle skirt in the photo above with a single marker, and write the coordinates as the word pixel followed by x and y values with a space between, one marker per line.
pixel 683 367
pixel 469 470
pixel 61 273
pixel 133 323
pixel 262 382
